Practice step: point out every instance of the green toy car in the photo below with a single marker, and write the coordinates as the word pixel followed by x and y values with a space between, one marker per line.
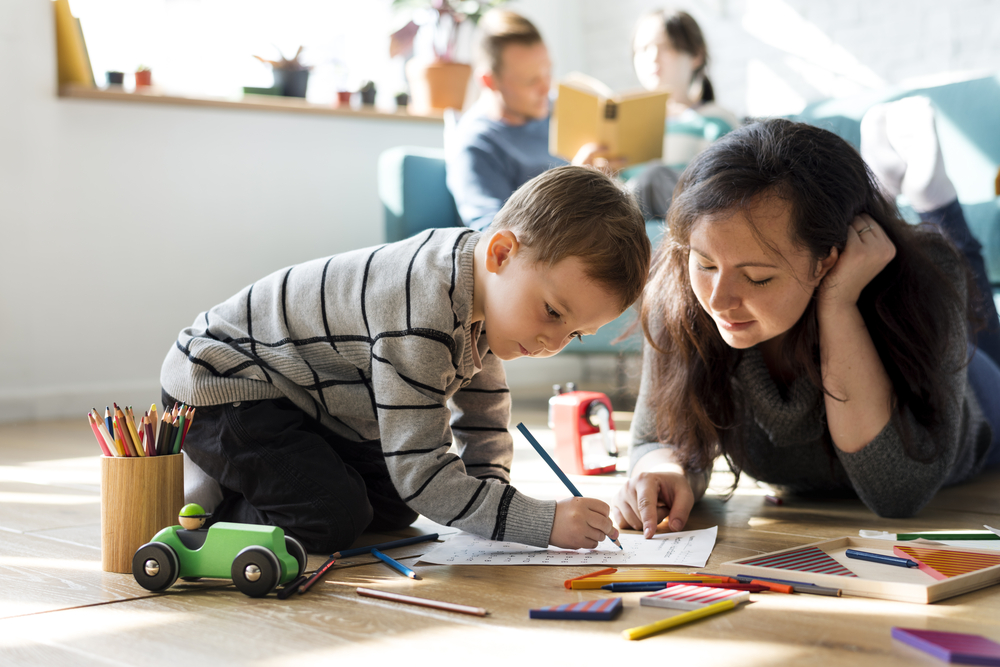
pixel 256 558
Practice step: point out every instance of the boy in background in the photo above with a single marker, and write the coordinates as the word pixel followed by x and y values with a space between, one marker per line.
pixel 329 393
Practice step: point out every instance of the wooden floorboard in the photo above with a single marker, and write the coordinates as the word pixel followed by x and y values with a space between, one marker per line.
pixel 58 608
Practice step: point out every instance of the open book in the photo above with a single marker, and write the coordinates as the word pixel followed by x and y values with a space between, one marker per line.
pixel 631 125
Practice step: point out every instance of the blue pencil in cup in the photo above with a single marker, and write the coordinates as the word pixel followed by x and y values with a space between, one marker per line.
pixel 395 564
pixel 555 468
pixel 879 558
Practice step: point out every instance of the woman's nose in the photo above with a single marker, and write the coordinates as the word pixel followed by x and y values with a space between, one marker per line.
pixel 724 295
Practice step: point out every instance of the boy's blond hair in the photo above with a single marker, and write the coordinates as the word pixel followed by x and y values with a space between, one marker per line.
pixel 580 212
pixel 498 28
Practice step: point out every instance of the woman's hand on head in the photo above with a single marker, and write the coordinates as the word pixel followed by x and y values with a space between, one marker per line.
pixel 868 250
pixel 650 497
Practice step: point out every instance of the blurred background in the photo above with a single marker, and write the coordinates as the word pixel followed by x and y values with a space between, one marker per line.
pixel 121 222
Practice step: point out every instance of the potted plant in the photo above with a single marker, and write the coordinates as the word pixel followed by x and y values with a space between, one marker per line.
pixel 438 74
pixel 291 77
pixel 143 76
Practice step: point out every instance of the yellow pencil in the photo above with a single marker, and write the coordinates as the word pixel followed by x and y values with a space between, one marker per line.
pixel 133 433
pixel 680 619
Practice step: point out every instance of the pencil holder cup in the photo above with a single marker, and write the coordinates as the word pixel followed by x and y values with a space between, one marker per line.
pixel 140 495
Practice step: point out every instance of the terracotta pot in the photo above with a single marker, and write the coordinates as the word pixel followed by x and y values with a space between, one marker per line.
pixel 438 85
pixel 143 78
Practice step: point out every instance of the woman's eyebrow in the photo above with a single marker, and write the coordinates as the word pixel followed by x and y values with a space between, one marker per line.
pixel 741 265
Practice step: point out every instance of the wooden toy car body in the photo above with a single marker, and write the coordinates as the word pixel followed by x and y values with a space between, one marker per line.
pixel 256 558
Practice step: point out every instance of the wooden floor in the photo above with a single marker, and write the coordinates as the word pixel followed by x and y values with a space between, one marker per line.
pixel 58 608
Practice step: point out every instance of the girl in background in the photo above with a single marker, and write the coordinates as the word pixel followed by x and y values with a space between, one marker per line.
pixel 670 53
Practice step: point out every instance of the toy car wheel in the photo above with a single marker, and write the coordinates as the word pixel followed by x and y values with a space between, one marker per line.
pixel 295 548
pixel 155 566
pixel 256 571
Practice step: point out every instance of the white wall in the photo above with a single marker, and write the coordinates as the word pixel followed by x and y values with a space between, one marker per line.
pixel 122 221
pixel 773 56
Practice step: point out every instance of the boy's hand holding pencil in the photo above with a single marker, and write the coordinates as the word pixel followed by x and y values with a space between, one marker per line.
pixel 581 523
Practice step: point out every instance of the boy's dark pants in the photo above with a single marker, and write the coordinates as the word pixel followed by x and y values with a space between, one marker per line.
pixel 278 466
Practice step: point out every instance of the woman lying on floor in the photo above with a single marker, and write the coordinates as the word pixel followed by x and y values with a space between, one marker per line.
pixel 798 327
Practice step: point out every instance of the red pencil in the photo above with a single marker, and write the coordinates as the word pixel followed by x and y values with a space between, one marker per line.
pixel 187 425
pixel 569 582
pixel 97 434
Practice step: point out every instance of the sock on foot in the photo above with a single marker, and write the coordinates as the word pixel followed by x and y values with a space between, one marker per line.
pixel 911 132
pixel 876 150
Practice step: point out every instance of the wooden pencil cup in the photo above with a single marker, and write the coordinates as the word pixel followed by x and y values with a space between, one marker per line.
pixel 139 496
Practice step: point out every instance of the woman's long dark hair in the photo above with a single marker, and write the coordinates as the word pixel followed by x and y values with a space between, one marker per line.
pixel 909 308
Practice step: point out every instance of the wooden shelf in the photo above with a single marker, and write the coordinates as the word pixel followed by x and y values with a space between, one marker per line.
pixel 248 102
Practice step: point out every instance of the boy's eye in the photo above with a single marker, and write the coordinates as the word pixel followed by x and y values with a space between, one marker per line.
pixel 577 335
pixel 551 313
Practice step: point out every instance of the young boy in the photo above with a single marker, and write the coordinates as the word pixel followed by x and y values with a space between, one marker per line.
pixel 329 393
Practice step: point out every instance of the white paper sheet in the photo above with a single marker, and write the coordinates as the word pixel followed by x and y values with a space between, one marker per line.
pixel 690 548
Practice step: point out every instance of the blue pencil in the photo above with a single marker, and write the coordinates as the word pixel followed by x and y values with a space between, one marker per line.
pixel 879 558
pixel 395 564
pixel 552 464
pixel 636 586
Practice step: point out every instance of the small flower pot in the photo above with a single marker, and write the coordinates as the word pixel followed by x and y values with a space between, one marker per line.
pixel 143 77
pixel 115 78
pixel 292 83
pixel 402 100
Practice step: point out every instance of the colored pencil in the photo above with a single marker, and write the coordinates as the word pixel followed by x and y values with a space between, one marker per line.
pixel 569 582
pixel 395 564
pixel 187 426
pixel 347 553
pixel 423 602
pixel 672 622
pixel 307 584
pixel 752 588
pixel 292 587
pixel 150 437
pixel 176 448
pixel 107 419
pixel 797 586
pixel 880 558
pixel 122 435
pixel 152 416
pixel 97 434
pixel 112 445
pixel 133 433
pixel 773 586
pixel 774 500
pixel 161 435
pixel 555 468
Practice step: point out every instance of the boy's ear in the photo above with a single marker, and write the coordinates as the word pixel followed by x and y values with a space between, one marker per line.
pixel 499 249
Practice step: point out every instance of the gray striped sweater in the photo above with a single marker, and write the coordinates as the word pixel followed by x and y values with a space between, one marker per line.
pixel 377 344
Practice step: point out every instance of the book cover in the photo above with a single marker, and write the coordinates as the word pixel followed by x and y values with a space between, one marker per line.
pixel 71 56
pixel 630 125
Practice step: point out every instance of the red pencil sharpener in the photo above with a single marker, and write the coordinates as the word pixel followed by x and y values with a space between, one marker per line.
pixel 584 432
